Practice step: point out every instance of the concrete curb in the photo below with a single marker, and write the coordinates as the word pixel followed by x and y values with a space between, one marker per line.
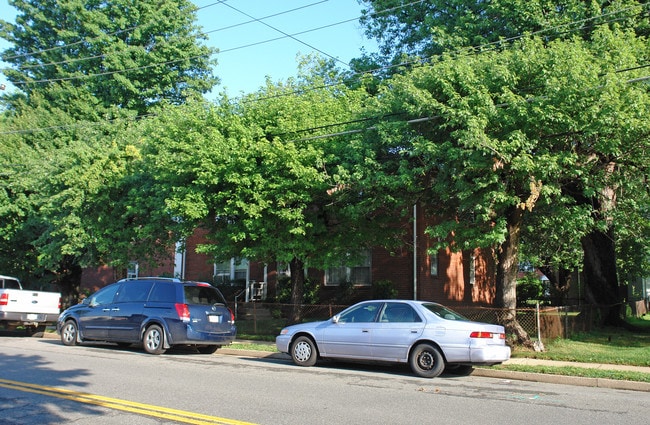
pixel 562 379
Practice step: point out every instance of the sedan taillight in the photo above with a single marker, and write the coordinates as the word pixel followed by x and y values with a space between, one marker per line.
pixel 486 335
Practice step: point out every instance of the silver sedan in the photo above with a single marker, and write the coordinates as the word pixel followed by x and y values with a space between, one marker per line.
pixel 427 336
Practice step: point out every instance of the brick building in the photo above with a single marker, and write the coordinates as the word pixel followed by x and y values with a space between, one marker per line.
pixel 465 278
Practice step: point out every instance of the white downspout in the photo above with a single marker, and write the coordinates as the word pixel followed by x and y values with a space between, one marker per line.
pixel 415 252
pixel 179 261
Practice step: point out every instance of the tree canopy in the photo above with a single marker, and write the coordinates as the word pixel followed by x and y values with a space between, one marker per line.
pixel 425 29
pixel 124 53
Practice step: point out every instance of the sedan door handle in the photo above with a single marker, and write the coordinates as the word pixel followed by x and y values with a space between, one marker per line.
pixel 365 331
pixel 116 309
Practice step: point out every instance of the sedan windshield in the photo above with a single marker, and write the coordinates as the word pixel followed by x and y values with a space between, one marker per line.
pixel 443 312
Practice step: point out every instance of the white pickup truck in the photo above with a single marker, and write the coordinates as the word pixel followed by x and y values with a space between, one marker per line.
pixel 23 307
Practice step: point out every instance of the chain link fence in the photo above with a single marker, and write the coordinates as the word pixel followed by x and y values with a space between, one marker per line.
pixel 545 323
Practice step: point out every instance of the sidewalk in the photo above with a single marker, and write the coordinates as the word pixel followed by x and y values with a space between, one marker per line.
pixel 509 374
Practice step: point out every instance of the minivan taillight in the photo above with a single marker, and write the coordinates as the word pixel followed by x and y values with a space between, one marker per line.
pixel 232 317
pixel 183 312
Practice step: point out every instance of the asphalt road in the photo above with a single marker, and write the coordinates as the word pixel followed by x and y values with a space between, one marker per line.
pixel 43 382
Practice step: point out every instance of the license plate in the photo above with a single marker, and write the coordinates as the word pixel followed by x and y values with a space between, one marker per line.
pixel 213 318
pixel 32 317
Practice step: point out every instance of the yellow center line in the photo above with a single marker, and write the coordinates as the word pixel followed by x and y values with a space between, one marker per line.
pixel 124 405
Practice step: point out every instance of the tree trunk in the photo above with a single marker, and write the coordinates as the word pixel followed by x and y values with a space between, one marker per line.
pixel 296 267
pixel 600 275
pixel 507 270
pixel 69 282
pixel 559 281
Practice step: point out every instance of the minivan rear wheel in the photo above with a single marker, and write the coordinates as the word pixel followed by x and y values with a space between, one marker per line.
pixel 153 340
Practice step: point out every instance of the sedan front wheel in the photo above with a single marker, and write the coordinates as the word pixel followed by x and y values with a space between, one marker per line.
pixel 304 351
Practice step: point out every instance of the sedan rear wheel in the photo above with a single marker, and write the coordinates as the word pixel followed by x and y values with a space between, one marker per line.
pixel 304 351
pixel 153 340
pixel 426 361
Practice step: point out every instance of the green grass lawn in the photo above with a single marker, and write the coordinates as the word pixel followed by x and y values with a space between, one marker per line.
pixel 609 346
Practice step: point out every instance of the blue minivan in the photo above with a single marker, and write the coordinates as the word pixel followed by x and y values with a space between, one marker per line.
pixel 156 312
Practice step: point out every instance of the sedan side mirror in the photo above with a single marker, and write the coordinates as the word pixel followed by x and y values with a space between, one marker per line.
pixel 335 319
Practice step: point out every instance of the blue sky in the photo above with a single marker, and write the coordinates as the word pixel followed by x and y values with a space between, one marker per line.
pixel 252 50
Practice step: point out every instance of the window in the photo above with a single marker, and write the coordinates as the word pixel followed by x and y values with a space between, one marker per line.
pixel 358 274
pixel 360 314
pixel 240 266
pixel 137 291
pixel 163 292
pixel 472 269
pixel 399 313
pixel 203 295
pixel 132 270
pixel 283 270
pixel 105 296
pixel 233 269
pixel 433 262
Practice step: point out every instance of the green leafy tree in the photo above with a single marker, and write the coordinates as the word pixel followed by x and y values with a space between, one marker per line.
pixel 84 69
pixel 127 54
pixel 496 136
pixel 259 177
pixel 426 29
pixel 56 197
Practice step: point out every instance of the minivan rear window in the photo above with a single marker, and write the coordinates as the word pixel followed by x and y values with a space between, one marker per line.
pixel 203 295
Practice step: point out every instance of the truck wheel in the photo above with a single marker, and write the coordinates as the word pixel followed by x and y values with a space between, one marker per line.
pixel 36 331
pixel 69 333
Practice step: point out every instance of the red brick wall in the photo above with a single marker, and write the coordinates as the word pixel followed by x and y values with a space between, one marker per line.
pixel 450 286
pixel 197 266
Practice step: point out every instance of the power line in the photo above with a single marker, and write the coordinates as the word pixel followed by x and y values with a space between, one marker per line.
pixel 287 35
pixel 321 127
pixel 85 40
pixel 223 2
pixel 474 49
pixel 417 62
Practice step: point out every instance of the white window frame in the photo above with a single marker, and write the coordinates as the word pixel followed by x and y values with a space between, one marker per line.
pixel 235 268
